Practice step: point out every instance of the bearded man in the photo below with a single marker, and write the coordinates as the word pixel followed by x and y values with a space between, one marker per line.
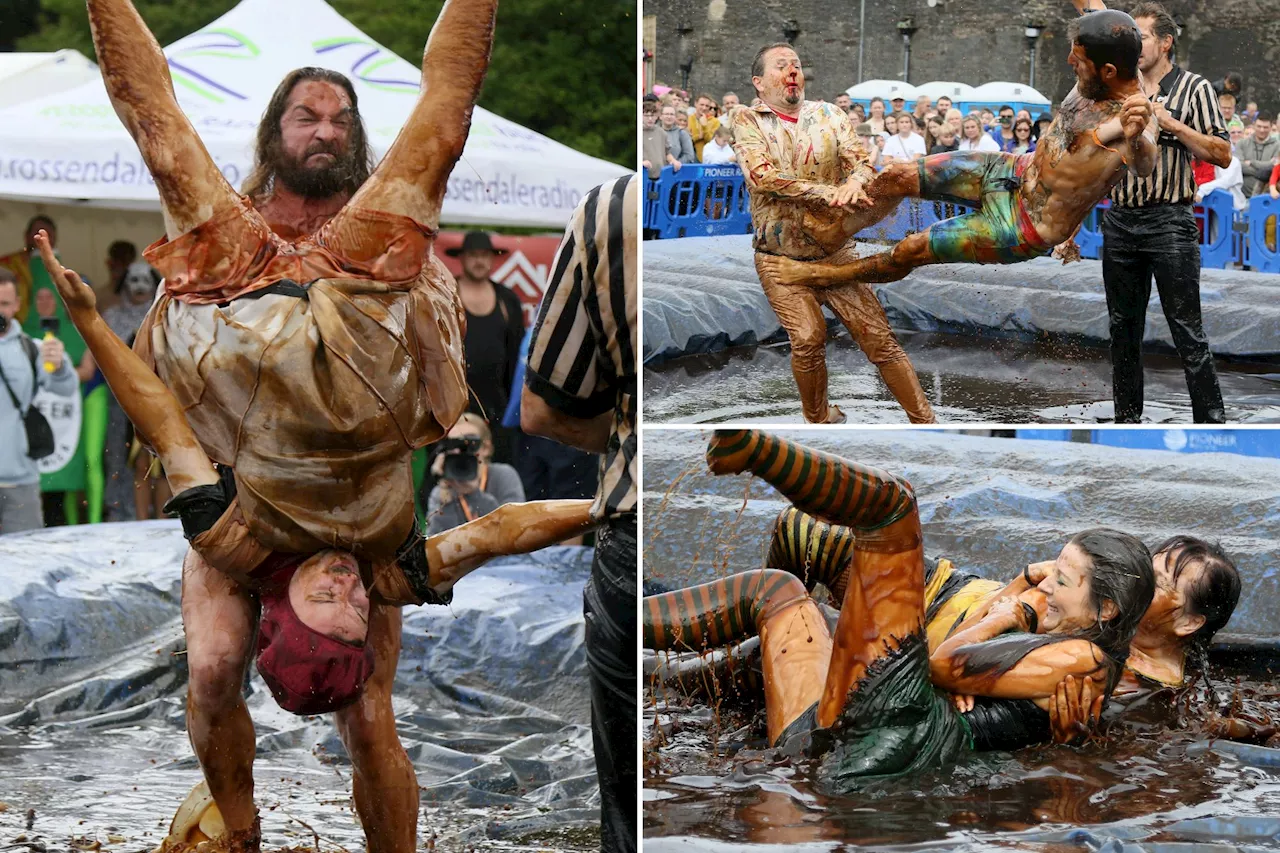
pixel 309 342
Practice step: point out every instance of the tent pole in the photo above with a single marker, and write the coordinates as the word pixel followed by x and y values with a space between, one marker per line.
pixel 862 26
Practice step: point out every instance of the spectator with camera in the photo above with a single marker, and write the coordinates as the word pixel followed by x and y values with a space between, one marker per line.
pixel 470 484
pixel 25 435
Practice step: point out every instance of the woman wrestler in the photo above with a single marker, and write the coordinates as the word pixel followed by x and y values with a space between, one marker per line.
pixel 1197 588
pixel 868 688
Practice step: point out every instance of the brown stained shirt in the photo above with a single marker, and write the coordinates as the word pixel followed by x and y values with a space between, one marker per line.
pixel 315 400
pixel 792 171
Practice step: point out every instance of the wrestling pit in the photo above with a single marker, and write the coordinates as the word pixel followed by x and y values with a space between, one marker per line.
pixel 1025 343
pixel 991 505
pixel 491 702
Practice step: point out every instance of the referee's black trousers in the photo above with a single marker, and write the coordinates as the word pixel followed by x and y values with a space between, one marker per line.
pixel 1160 240
pixel 609 604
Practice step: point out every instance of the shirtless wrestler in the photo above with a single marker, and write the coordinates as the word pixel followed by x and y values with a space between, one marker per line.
pixel 338 351
pixel 1028 203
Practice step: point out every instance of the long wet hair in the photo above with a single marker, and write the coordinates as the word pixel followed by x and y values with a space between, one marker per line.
pixel 1120 572
pixel 268 150
pixel 1214 596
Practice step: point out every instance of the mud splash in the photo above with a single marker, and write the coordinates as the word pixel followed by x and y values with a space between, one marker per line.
pixel 1141 783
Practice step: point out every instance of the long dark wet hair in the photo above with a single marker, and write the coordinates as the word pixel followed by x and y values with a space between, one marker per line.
pixel 268 149
pixel 1121 572
pixel 1215 595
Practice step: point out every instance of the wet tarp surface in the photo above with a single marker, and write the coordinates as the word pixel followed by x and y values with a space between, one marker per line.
pixel 491 703
pixel 702 294
pixel 992 505
pixel 966 379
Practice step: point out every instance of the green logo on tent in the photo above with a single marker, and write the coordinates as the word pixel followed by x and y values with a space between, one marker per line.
pixel 220 42
pixel 371 59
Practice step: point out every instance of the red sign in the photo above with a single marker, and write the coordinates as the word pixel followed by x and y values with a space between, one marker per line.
pixel 524 268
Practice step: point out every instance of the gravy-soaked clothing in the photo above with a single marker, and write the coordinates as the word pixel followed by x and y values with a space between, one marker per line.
pixel 949 595
pixel 894 723
pixel 792 169
pixel 313 369
pixel 1001 231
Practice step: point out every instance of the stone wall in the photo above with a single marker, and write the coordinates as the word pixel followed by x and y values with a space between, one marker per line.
pixel 971 41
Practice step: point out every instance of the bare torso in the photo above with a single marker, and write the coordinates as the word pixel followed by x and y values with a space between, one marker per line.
pixel 293 217
pixel 1071 172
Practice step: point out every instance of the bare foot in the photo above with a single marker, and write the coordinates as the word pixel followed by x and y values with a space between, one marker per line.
pixel 1068 252
pixel 788 271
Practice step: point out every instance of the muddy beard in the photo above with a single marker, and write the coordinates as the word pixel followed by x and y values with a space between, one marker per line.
pixel 1094 90
pixel 320 181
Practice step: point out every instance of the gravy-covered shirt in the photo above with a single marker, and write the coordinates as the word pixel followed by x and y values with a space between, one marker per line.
pixel 792 170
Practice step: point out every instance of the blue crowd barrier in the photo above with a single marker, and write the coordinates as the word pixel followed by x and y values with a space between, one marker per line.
pixel 707 201
pixel 1262 255
pixel 698 201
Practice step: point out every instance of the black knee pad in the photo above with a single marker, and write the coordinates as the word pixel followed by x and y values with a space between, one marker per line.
pixel 199 508
pixel 412 560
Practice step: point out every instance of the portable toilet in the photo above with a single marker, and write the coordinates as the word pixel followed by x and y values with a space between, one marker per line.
pixel 994 95
pixel 887 89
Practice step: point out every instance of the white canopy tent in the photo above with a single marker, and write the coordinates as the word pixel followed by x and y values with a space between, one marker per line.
pixel 24 76
pixel 71 147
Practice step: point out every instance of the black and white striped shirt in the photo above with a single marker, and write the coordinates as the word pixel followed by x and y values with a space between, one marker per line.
pixel 1191 100
pixel 582 359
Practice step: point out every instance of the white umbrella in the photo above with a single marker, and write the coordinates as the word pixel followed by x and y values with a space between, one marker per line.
pixel 26 76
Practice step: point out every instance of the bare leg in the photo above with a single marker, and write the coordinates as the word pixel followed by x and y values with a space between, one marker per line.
pixel 219 618
pixel 155 412
pixel 896 182
pixel 795 643
pixel 141 90
pixel 909 253
pixel 510 529
pixel 410 180
pixel 386 790
pixel 884 599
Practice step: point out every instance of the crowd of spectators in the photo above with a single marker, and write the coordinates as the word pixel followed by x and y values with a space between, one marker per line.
pixel 676 132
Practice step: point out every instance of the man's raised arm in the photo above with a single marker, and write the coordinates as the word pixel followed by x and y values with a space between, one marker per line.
pixel 137 78
pixel 411 179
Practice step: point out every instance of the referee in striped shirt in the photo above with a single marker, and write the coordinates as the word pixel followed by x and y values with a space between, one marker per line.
pixel 580 389
pixel 1151 229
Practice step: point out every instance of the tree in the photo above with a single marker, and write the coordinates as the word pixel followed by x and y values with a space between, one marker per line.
pixel 565 68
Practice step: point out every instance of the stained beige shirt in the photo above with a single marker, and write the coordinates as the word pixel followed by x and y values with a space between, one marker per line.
pixel 792 170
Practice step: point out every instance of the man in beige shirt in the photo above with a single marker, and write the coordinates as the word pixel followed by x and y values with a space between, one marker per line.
pixel 805 171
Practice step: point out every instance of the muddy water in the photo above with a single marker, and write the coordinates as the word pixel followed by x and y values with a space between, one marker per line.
pixel 992 505
pixel 967 379
pixel 1138 783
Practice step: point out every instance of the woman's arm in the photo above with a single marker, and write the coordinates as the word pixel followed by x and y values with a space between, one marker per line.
pixel 1035 676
